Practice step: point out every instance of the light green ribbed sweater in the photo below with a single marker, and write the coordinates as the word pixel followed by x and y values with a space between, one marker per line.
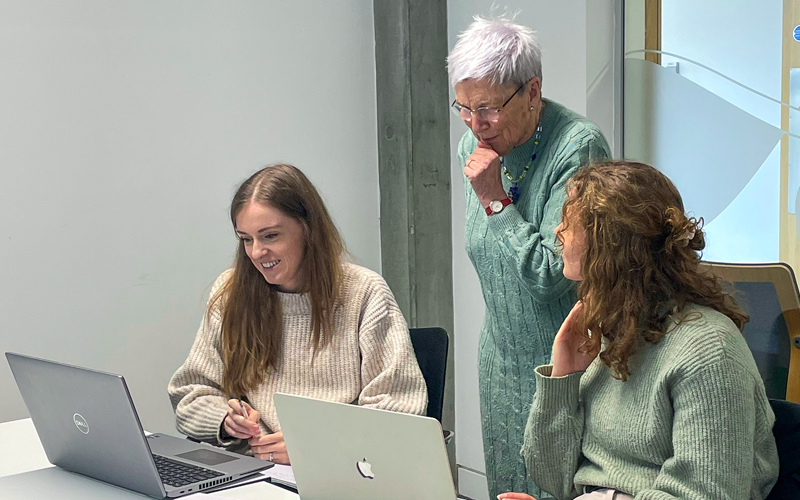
pixel 692 421
pixel 526 294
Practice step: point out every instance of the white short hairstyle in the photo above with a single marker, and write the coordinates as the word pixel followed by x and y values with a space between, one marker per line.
pixel 497 49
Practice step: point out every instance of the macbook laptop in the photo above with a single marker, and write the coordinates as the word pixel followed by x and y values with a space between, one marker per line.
pixel 87 424
pixel 343 451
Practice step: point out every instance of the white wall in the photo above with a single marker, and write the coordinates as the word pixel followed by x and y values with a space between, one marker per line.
pixel 604 58
pixel 575 52
pixel 125 127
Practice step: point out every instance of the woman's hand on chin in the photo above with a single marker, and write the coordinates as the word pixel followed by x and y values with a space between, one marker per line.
pixel 567 355
pixel 483 170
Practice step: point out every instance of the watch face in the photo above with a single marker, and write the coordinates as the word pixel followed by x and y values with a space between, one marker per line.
pixel 495 206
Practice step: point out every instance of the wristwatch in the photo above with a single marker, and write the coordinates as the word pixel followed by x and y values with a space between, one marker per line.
pixel 495 207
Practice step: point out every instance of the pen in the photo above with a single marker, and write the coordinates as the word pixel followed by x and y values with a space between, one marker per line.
pixel 243 408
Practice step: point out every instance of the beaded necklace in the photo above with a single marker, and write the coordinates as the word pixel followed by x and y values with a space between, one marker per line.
pixel 514 189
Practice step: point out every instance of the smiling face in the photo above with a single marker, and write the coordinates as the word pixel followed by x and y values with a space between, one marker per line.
pixel 517 121
pixel 573 247
pixel 274 243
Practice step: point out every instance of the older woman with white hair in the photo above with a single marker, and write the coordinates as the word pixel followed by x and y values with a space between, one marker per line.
pixel 517 156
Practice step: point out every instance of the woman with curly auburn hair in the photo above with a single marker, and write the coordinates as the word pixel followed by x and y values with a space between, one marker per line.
pixel 652 392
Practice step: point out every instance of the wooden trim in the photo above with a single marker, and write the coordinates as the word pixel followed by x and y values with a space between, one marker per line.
pixel 652 29
pixel 793 383
pixel 789 244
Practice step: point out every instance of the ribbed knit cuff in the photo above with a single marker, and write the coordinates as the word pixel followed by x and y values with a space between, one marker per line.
pixel 223 439
pixel 211 425
pixel 555 393
pixel 508 219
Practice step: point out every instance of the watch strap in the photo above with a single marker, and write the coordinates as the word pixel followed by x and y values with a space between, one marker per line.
pixel 504 203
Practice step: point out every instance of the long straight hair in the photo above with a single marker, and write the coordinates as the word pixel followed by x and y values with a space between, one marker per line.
pixel 251 316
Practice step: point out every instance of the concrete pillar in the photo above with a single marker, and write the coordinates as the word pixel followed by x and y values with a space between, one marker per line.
pixel 414 165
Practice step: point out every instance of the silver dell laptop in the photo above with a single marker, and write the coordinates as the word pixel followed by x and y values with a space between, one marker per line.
pixel 87 424
pixel 342 451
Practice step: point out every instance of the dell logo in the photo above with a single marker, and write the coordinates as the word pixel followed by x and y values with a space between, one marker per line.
pixel 80 423
pixel 365 469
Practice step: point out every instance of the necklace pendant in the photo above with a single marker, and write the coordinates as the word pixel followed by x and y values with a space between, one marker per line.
pixel 512 193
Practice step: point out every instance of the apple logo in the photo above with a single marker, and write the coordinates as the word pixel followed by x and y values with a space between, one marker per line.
pixel 365 469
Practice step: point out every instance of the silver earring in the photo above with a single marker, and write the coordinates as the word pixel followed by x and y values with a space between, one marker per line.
pixel 532 108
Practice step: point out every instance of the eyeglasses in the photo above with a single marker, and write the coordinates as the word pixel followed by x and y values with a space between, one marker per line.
pixel 484 113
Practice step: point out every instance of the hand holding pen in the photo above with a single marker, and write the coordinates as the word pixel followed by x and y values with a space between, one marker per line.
pixel 242 420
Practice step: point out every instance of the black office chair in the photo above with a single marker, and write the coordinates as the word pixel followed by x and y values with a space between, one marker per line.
pixel 787 436
pixel 769 293
pixel 430 347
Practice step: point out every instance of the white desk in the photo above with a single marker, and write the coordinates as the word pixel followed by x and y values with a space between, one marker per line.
pixel 23 455
pixel 22 450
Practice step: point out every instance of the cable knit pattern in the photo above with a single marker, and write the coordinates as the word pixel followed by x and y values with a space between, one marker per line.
pixel 370 360
pixel 692 422
pixel 526 294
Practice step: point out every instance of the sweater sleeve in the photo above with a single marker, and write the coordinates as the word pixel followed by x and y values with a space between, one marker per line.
pixel 554 433
pixel 529 246
pixel 713 436
pixel 195 389
pixel 390 376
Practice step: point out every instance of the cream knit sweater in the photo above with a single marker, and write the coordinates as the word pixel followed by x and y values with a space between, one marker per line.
pixel 370 360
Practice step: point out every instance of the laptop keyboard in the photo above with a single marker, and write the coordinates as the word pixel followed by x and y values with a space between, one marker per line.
pixel 178 474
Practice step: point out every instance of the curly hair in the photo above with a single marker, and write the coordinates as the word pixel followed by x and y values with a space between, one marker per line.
pixel 640 267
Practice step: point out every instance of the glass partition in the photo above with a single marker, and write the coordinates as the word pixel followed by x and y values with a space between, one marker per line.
pixel 707 101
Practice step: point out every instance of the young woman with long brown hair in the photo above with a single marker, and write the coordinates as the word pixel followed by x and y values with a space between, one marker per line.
pixel 291 316
pixel 652 391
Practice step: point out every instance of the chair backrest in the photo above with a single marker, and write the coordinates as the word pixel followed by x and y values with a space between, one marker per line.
pixel 769 294
pixel 430 346
pixel 787 437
